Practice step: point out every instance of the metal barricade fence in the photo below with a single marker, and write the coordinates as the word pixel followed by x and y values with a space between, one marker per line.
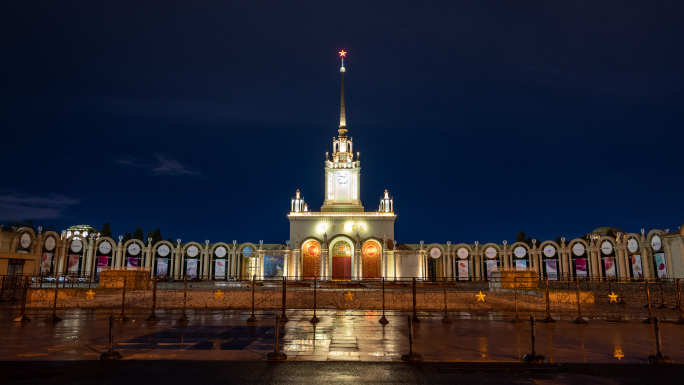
pixel 558 299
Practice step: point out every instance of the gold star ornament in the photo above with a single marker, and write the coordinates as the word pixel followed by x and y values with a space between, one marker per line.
pixel 613 297
pixel 480 297
pixel 219 294
pixel 343 53
pixel 90 294
pixel 349 296
pixel 617 353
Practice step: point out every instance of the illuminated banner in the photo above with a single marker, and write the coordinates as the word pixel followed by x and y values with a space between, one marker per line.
pixel 162 266
pixel 520 264
pixel 102 263
pixel 274 265
pixel 46 264
pixel 660 265
pixel 132 262
pixel 552 269
pixel 73 264
pixel 463 270
pixel 609 263
pixel 637 272
pixel 219 269
pixel 191 268
pixel 491 266
pixel 581 267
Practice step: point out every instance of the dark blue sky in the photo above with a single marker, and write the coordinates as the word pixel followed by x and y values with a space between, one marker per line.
pixel 482 118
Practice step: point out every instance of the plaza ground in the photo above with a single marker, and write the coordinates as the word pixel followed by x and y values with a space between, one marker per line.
pixel 339 336
pixel 220 347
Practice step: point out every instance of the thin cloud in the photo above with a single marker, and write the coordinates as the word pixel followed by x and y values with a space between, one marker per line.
pixel 18 206
pixel 128 161
pixel 167 166
pixel 161 165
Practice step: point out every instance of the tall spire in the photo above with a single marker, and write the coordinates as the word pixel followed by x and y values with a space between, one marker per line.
pixel 343 118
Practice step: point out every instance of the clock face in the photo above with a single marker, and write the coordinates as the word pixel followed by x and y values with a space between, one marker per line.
pixel 342 178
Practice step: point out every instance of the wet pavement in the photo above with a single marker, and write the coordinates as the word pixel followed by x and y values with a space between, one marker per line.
pixel 82 335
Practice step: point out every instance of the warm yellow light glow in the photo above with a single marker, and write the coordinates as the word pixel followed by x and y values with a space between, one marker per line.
pixel 349 226
pixel 322 227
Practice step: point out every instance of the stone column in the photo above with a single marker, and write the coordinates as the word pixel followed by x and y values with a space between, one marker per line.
pixel 668 259
pixel 504 256
pixel 117 254
pixel 147 255
pixel 208 261
pixel 297 263
pixel 324 259
pixel 448 262
pixel 178 262
pixel 476 262
pixel 232 271
pixel 87 258
pixel 383 256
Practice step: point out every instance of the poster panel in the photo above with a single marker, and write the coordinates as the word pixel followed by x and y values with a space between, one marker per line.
pixel 637 272
pixel 609 263
pixel 552 269
pixel 219 268
pixel 102 263
pixel 72 268
pixel 660 265
pixel 520 264
pixel 491 266
pixel 463 270
pixel 581 267
pixel 132 262
pixel 162 266
pixel 46 264
pixel 274 265
pixel 191 268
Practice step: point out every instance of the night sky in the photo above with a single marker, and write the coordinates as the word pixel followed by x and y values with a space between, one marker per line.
pixel 481 118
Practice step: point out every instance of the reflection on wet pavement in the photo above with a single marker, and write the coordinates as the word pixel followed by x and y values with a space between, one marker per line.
pixel 338 337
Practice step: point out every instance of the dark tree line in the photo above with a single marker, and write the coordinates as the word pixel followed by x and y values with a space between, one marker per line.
pixel 10 226
pixel 138 234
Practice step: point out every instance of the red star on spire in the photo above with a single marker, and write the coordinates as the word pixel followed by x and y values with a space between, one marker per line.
pixel 343 54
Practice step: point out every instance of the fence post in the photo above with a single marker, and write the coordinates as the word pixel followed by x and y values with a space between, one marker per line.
pixel 110 354
pixel 283 317
pixel 517 318
pixel 53 317
pixel 533 358
pixel 314 319
pixel 2 289
pixel 650 311
pixel 415 316
pixel 411 356
pixel 659 358
pixel 14 288
pixel 153 317
pixel 122 317
pixel 446 319
pixel 547 299
pixel 622 298
pixel 184 318
pixel 276 355
pixel 383 320
pixel 580 319
pixel 662 297
pixel 22 317
pixel 680 321
pixel 252 318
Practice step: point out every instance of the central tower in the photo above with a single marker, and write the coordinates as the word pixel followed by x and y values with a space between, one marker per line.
pixel 342 241
pixel 342 171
